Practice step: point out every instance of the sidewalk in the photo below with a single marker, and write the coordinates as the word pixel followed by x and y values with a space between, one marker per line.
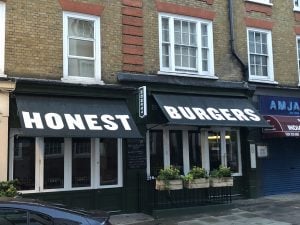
pixel 271 210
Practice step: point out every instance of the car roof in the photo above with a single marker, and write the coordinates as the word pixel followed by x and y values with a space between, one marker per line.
pixel 34 204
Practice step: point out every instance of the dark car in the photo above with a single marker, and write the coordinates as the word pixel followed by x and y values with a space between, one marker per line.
pixel 18 211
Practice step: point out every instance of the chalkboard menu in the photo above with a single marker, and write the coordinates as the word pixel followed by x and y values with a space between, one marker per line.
pixel 136 152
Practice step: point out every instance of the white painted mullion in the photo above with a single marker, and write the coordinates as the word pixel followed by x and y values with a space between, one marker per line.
pixel 11 154
pixel 95 165
pixel 172 43
pixel 223 148
pixel 166 146
pixel 68 163
pixel 205 150
pixel 120 162
pixel 211 61
pixel 186 153
pixel 239 152
pixel 65 46
pixel 39 164
pixel 199 46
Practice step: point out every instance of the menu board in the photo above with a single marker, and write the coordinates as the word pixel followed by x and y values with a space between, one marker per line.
pixel 136 152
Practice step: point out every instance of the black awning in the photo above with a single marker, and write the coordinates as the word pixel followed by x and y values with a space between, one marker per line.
pixel 209 111
pixel 75 117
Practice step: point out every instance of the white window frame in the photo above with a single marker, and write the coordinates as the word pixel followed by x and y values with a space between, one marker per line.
pixel 2 37
pixel 171 69
pixel 270 77
pixel 298 56
pixel 39 165
pixel 204 147
pixel 264 2
pixel 97 49
pixel 296 5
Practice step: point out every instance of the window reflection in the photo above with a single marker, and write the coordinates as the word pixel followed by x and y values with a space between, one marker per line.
pixel 214 145
pixel 195 149
pixel 176 149
pixel 53 163
pixel 232 151
pixel 108 161
pixel 24 162
pixel 156 152
pixel 81 162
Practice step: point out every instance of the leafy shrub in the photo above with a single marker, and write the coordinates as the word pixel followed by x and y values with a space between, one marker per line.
pixel 222 171
pixel 196 173
pixel 8 188
pixel 171 173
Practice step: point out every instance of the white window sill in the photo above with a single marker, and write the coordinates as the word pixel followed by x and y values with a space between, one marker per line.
pixel 194 75
pixel 263 81
pixel 3 75
pixel 297 9
pixel 79 80
pixel 236 174
pixel 259 2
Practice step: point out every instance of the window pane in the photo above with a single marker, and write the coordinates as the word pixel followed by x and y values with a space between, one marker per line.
pixel 214 145
pixel 24 162
pixel 165 55
pixel 232 150
pixel 13 217
pixel 81 162
pixel 176 151
pixel 81 28
pixel 39 219
pixel 108 161
pixel 195 149
pixel 165 30
pixel 156 152
pixel 54 163
pixel 81 48
pixel 81 67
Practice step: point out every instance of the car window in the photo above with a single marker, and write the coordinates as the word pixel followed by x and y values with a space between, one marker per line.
pixel 39 219
pixel 65 222
pixel 13 217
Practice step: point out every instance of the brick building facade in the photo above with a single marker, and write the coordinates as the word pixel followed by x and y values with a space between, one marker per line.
pixel 226 51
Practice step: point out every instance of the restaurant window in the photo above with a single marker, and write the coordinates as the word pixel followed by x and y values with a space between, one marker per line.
pixel 185 45
pixel 53 163
pixel 260 56
pixel 195 155
pixel 56 164
pixel 81 47
pixel 24 162
pixel 81 162
pixel 156 151
pixel 185 148
pixel 109 161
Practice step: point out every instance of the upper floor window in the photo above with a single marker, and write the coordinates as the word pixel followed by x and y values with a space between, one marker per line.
pixel 186 45
pixel 2 36
pixel 260 58
pixel 296 4
pixel 81 47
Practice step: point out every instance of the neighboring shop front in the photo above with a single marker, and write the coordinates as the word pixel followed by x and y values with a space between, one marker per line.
pixel 196 123
pixel 66 142
pixel 6 86
pixel 279 160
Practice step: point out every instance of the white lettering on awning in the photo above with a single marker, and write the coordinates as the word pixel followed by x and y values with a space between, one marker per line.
pixel 210 113
pixel 57 121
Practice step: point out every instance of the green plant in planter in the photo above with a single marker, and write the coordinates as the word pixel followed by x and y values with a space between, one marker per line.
pixel 196 178
pixel 221 177
pixel 169 179
pixel 171 173
pixel 222 171
pixel 8 188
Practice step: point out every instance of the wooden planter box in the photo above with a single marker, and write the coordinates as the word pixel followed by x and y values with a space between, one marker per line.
pixel 162 185
pixel 197 183
pixel 221 182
